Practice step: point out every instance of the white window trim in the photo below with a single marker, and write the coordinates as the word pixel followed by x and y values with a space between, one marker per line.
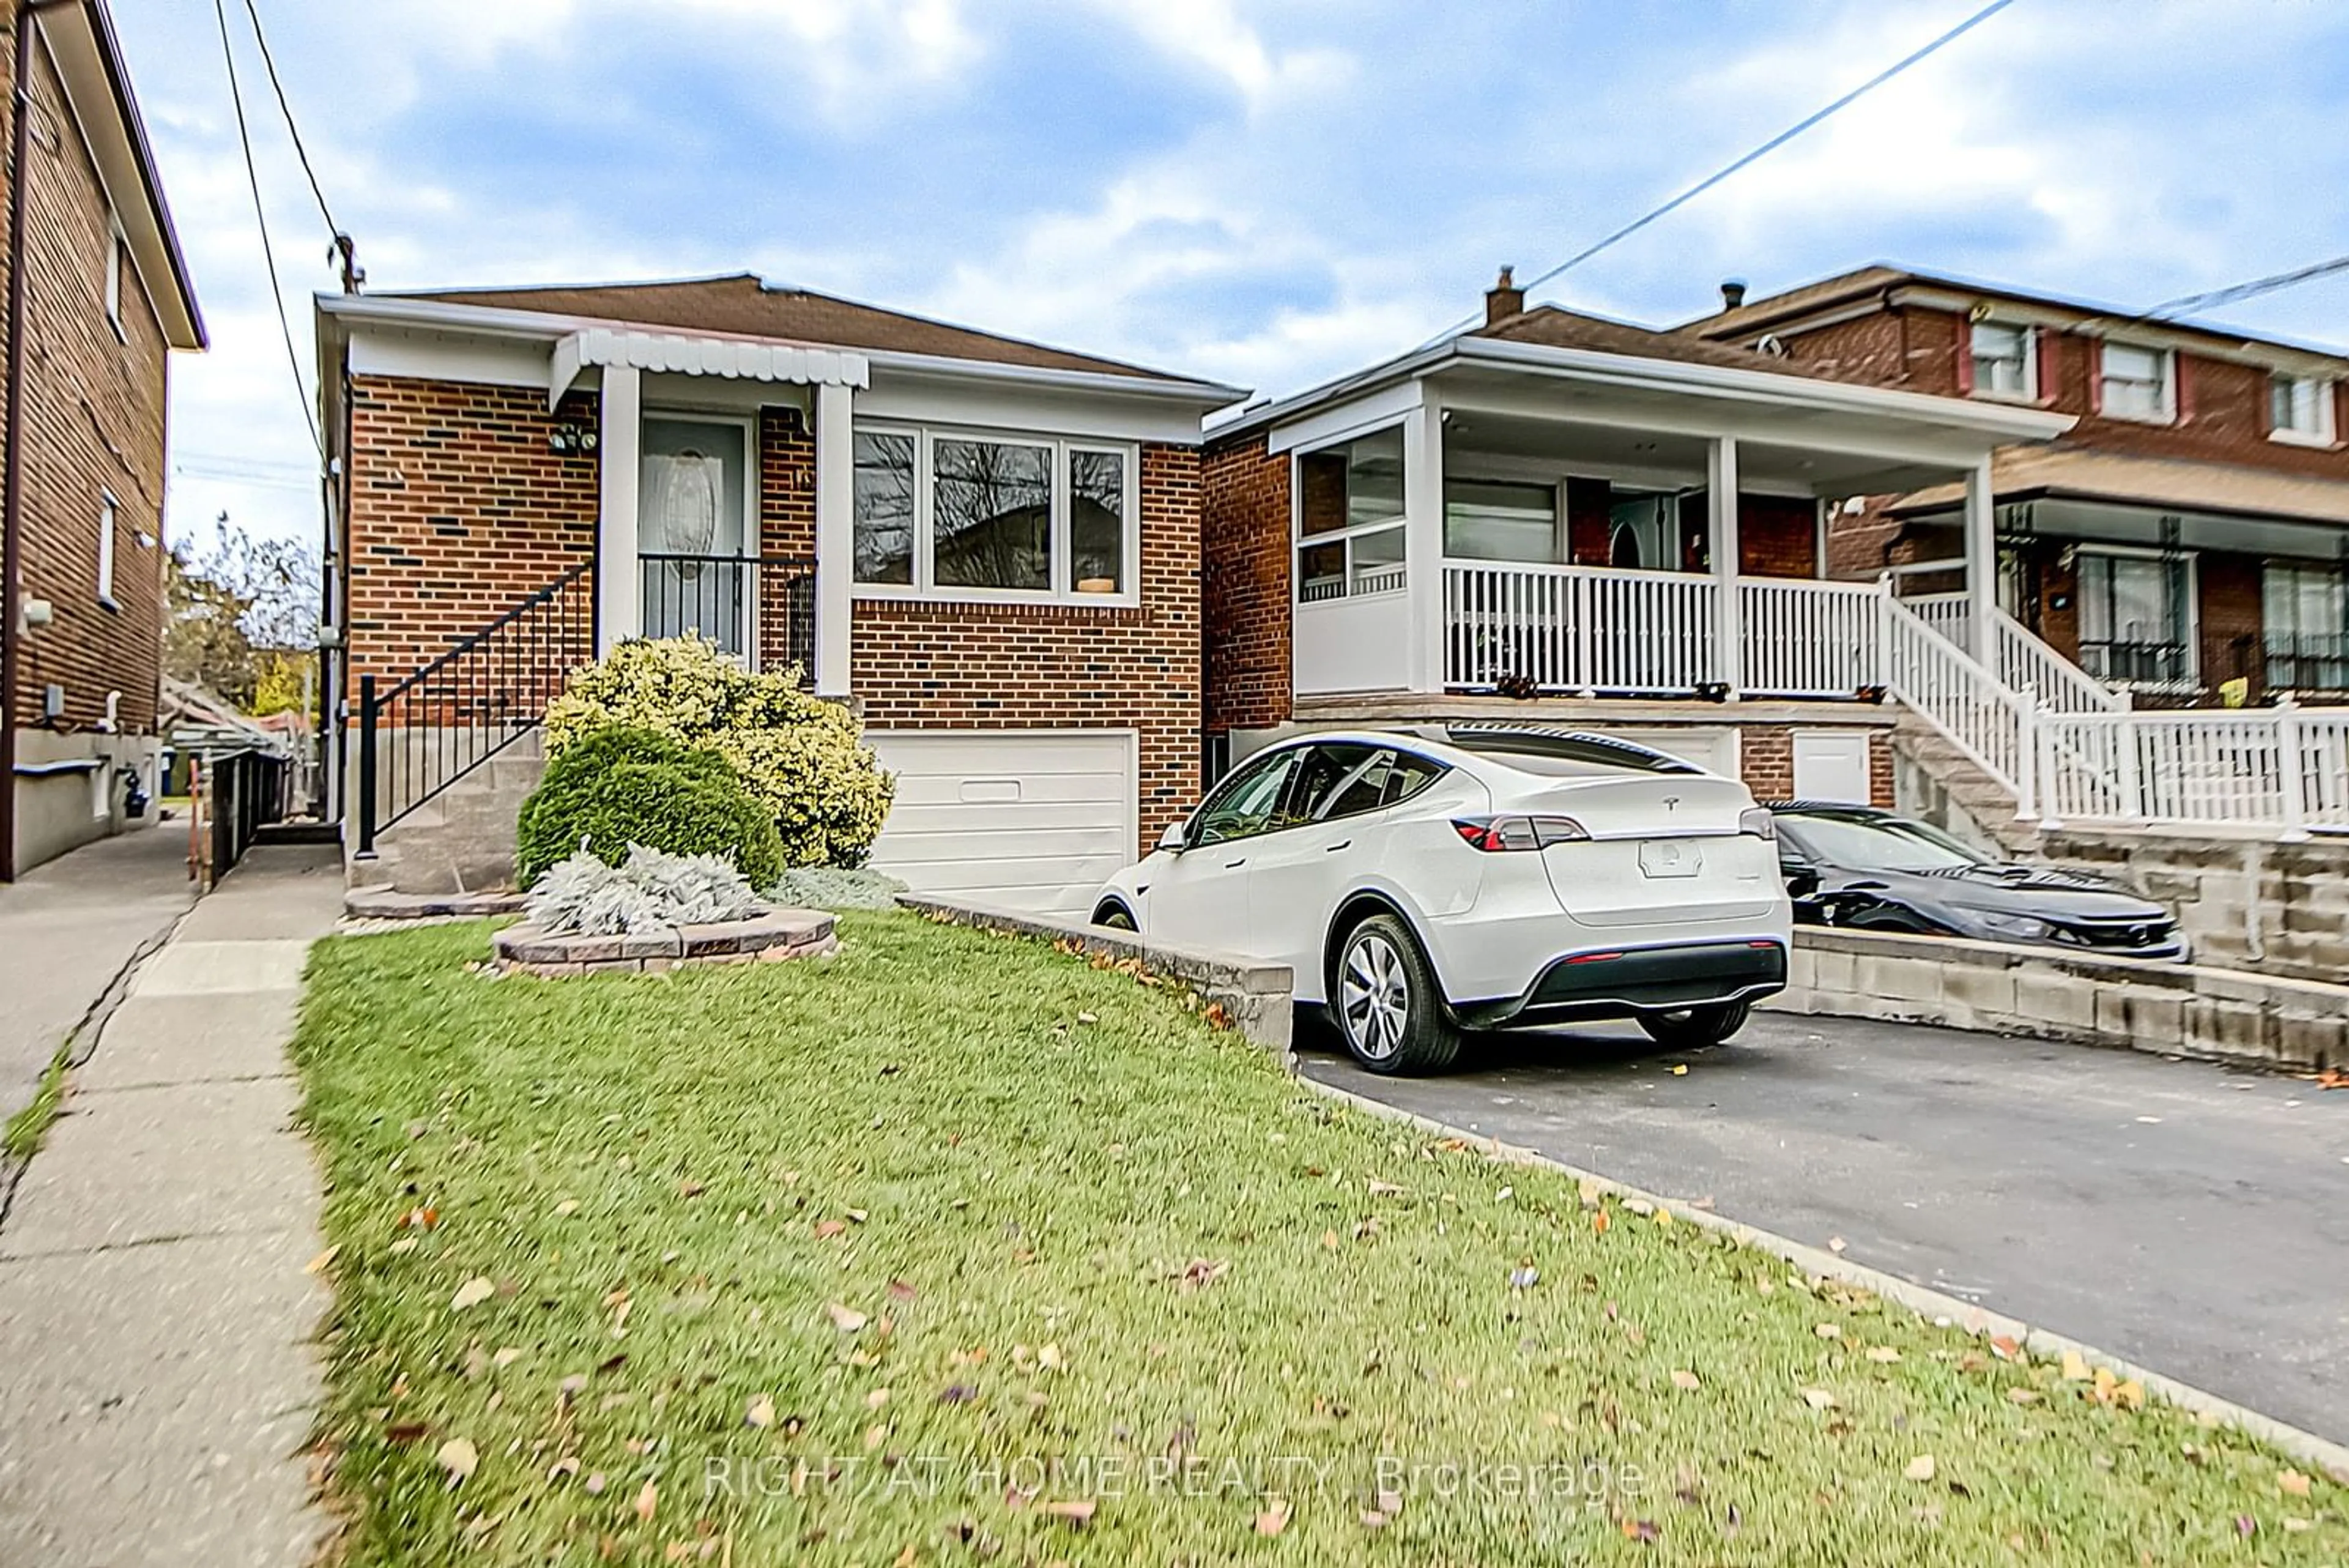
pixel 110 523
pixel 117 243
pixel 925 587
pixel 2029 393
pixel 1298 540
pixel 2166 411
pixel 2325 434
pixel 2193 629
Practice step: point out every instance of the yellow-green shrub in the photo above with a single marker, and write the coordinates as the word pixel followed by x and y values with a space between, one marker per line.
pixel 799 757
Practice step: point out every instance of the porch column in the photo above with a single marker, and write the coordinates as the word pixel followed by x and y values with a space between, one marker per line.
pixel 619 437
pixel 836 535
pixel 1982 566
pixel 1422 541
pixel 1729 619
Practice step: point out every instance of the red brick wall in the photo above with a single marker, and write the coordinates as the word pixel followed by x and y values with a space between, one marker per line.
pixel 93 424
pixel 1590 522
pixel 2231 611
pixel 1777 537
pixel 1765 760
pixel 1245 536
pixel 458 512
pixel 927 665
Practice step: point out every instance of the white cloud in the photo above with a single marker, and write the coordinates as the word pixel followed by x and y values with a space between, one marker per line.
pixel 1209 33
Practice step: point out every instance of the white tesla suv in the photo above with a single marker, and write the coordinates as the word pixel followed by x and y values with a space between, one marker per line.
pixel 1423 881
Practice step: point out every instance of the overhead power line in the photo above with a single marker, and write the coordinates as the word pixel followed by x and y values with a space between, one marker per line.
pixel 2235 293
pixel 261 218
pixel 1807 122
pixel 334 229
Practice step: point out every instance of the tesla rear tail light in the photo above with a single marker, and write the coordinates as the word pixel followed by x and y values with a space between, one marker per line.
pixel 1495 834
pixel 1757 822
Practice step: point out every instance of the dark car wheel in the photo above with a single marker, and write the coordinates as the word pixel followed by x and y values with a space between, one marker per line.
pixel 1386 1003
pixel 1692 1027
pixel 1113 916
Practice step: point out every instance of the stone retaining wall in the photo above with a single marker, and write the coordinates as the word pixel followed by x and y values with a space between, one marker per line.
pixel 2243 900
pixel 779 934
pixel 1255 996
pixel 2180 1009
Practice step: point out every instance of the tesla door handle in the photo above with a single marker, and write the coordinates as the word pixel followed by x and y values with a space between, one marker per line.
pixel 1234 865
pixel 1333 848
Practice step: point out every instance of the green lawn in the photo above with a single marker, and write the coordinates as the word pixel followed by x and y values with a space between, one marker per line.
pixel 954 1249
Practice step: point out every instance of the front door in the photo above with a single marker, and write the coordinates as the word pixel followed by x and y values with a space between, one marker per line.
pixel 695 540
pixel 1322 839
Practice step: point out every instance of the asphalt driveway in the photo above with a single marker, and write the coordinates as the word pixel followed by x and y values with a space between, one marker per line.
pixel 2190 1218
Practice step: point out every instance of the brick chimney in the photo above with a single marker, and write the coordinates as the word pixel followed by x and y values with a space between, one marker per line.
pixel 1504 299
pixel 1732 293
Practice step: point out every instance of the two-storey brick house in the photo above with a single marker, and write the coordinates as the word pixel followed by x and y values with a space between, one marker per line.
pixel 100 300
pixel 989 548
pixel 2189 530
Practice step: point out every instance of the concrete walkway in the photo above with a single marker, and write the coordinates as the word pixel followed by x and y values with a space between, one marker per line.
pixel 67 930
pixel 157 1377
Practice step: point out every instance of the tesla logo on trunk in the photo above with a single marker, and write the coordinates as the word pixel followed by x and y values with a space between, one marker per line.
pixel 1671 803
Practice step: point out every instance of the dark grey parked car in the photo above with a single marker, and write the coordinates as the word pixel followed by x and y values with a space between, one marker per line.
pixel 1855 866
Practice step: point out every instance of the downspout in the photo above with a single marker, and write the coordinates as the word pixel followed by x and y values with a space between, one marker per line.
pixel 11 437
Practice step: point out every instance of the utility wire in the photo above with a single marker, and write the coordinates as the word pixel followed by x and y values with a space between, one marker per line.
pixel 2235 293
pixel 1776 142
pixel 253 10
pixel 261 219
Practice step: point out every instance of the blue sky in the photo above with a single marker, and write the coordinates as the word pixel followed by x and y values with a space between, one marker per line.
pixel 1266 191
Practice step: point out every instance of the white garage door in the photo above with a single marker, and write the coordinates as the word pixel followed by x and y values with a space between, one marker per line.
pixel 1026 820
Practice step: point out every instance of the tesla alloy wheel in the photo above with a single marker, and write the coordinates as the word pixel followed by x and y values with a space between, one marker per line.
pixel 1387 1002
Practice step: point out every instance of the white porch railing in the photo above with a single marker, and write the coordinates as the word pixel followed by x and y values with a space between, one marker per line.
pixel 2064 745
pixel 1578 628
pixel 1807 637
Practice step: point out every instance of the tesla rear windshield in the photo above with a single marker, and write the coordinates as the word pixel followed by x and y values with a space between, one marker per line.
pixel 1875 843
pixel 1566 746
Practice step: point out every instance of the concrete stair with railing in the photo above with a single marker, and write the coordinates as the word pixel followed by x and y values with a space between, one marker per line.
pixel 1934 780
pixel 462 839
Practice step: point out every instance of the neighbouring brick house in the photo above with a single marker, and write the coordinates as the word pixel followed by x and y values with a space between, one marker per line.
pixel 105 298
pixel 2189 530
pixel 1556 517
pixel 990 548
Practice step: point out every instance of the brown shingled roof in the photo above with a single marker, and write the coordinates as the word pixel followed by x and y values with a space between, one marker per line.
pixel 745 306
pixel 1552 327
pixel 1759 315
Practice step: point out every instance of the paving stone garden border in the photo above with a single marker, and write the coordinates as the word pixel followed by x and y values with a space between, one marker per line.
pixel 776 935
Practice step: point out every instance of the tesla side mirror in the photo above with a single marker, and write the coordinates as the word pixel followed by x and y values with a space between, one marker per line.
pixel 1174 840
pixel 1802 882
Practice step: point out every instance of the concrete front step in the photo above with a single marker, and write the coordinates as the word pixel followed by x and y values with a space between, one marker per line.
pixel 462 841
pixel 1934 780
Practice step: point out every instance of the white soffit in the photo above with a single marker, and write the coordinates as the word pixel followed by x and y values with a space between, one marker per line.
pixel 735 358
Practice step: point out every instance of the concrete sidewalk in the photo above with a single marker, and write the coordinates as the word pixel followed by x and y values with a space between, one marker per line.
pixel 67 930
pixel 157 1377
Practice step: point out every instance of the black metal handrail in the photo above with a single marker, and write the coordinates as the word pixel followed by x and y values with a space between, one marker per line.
pixel 752 606
pixel 457 713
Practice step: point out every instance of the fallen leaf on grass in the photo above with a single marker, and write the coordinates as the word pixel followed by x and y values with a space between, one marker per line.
pixel 647 1501
pixel 825 1230
pixel 1829 1330
pixel 1598 1222
pixel 566 1208
pixel 322 1261
pixel 1819 1398
pixel 1076 1514
pixel 2291 1483
pixel 1919 1469
pixel 507 1356
pixel 459 1458
pixel 472 1294
pixel 1685 1380
pixel 1199 1274
pixel 2023 1395
pixel 846 1319
pixel 1273 1518
pixel 1384 1189
pixel 1883 1354
pixel 2076 1367
pixel 1645 1531
pixel 761 1412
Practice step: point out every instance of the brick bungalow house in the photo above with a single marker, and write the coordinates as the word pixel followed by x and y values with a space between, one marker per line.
pixel 1556 517
pixel 2190 529
pixel 104 298
pixel 990 548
